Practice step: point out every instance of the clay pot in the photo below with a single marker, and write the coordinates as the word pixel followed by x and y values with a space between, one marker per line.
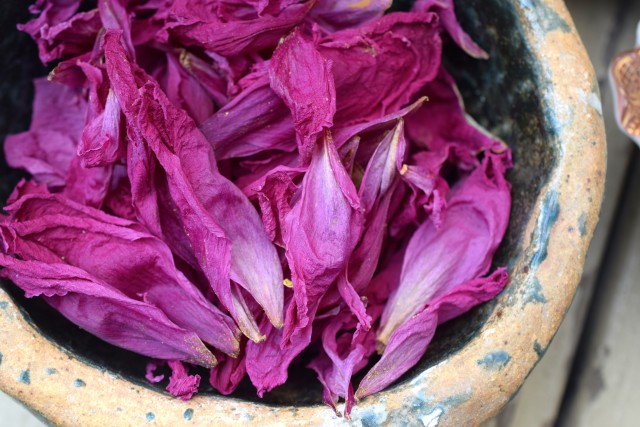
pixel 537 91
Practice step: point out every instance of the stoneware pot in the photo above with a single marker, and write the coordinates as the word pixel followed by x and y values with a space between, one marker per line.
pixel 537 91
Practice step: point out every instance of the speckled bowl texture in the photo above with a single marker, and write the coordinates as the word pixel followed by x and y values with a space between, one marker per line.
pixel 538 92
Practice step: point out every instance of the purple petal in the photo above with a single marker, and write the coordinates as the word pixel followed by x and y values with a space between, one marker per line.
pixel 409 342
pixel 150 371
pixel 181 384
pixel 185 92
pixel 303 79
pixel 267 362
pixel 195 22
pixel 60 32
pixel 202 197
pixel 226 376
pixel 254 121
pixel 322 229
pixel 437 260
pixel 446 11
pixel 334 15
pixel 105 312
pixel 121 254
pixel 380 67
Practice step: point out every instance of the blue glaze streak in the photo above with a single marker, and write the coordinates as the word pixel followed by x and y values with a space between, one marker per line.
pixel 495 360
pixel 79 383
pixel 582 224
pixel 24 377
pixel 0 358
pixel 549 213
pixel 538 349
pixel 533 293
pixel 150 416
pixel 188 414
pixel 52 371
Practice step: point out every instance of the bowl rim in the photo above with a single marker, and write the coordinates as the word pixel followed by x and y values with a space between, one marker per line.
pixel 495 361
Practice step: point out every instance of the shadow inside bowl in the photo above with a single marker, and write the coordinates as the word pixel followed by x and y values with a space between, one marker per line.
pixel 503 94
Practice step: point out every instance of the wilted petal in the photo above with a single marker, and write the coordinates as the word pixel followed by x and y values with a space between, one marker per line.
pixel 226 376
pixel 438 259
pixel 151 369
pixel 303 79
pixel 322 229
pixel 195 22
pixel 203 197
pixel 334 15
pixel 114 16
pixel 354 302
pixel 446 11
pixel 100 143
pixel 88 186
pixel 207 74
pixel 380 67
pixel 409 342
pixel 59 31
pixel 185 92
pixel 181 384
pixel 442 126
pixel 267 362
pixel 105 312
pixel 47 148
pixel 44 153
pixel 254 121
pixel 121 254
pixel 376 192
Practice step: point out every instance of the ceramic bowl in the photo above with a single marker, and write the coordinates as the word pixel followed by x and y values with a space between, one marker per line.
pixel 537 91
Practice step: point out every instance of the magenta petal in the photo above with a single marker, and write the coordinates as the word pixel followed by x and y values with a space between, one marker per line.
pixel 322 229
pixel 151 369
pixel 267 362
pixel 100 143
pixel 380 67
pixel 376 192
pixel 409 342
pixel 438 259
pixel 181 384
pixel 354 302
pixel 226 376
pixel 120 253
pixel 105 312
pixel 207 75
pixel 203 198
pixel 334 15
pixel 185 91
pixel 382 169
pixel 47 148
pixel 340 359
pixel 60 32
pixel 114 16
pixel 446 11
pixel 441 125
pixel 254 121
pixel 303 79
pixel 195 22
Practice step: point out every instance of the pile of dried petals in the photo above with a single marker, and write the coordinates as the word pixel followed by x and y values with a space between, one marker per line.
pixel 229 183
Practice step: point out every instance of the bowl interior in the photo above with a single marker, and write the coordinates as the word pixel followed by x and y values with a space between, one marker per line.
pixel 502 94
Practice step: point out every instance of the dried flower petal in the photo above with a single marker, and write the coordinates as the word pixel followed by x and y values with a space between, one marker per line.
pixel 408 343
pixel 105 312
pixel 438 259
pixel 323 227
pixel 203 196
pixel 446 11
pixel 304 81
